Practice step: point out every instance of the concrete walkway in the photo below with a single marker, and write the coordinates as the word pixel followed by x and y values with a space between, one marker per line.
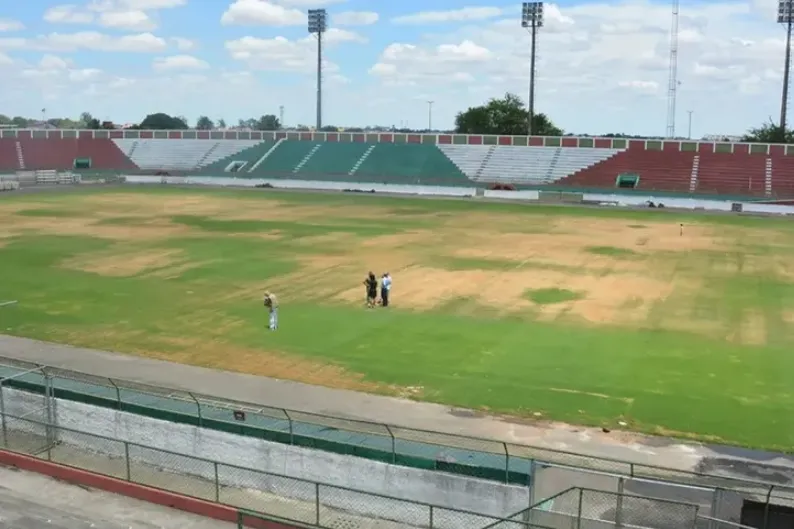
pixel 293 395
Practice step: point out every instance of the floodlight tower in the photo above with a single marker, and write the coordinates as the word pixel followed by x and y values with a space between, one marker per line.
pixel 672 82
pixel 532 20
pixel 318 19
pixel 784 16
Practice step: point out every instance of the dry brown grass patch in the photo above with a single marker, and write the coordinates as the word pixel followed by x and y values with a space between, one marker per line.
pixel 124 264
pixel 751 330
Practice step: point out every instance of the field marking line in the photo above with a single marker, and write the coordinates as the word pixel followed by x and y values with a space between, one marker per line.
pixel 7 303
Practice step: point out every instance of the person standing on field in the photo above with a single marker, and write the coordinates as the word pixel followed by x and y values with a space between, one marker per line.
pixel 271 302
pixel 371 284
pixel 385 289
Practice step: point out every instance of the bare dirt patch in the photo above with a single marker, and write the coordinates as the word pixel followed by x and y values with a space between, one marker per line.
pixel 751 330
pixel 155 230
pixel 125 264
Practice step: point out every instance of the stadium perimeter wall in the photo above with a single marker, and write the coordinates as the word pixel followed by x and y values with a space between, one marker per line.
pixel 614 199
pixel 429 487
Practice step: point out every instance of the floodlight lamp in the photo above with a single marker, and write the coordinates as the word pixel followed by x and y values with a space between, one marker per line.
pixel 318 20
pixel 784 11
pixel 532 14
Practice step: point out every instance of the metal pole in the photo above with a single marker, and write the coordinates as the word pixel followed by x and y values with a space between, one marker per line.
pixel 3 417
pixel 429 116
pixel 689 129
pixel 319 80
pixel 786 72
pixel 532 76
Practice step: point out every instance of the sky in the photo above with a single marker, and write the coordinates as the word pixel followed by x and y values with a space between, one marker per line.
pixel 601 67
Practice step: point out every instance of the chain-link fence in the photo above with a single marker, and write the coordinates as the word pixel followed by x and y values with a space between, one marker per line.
pixel 548 471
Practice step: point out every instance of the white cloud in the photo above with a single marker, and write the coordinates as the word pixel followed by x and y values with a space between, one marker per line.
pixel 465 14
pixel 408 63
pixel 179 62
pixel 183 44
pixel 87 40
pixel 261 13
pixel 282 54
pixel 354 18
pixel 133 20
pixel 7 24
pixel 67 14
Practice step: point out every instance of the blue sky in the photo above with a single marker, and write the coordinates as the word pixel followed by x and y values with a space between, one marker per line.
pixel 602 67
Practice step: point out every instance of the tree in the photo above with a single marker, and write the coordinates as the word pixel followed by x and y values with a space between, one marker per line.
pixel 87 121
pixel 161 121
pixel 503 116
pixel 769 133
pixel 204 123
pixel 221 123
pixel 267 122
pixel 330 128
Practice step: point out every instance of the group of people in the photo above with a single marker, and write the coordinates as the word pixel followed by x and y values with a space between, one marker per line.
pixel 371 283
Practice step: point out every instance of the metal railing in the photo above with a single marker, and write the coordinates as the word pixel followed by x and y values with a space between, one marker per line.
pixel 549 471
pixel 259 494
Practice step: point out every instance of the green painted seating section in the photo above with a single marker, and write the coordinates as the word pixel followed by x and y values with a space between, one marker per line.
pixel 335 158
pixel 284 159
pixel 250 155
pixel 410 164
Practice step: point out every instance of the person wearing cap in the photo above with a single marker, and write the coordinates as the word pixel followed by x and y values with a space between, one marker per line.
pixel 385 289
pixel 271 302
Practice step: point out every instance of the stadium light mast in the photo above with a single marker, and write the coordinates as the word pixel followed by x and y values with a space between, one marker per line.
pixel 784 16
pixel 430 116
pixel 532 20
pixel 318 24
pixel 672 81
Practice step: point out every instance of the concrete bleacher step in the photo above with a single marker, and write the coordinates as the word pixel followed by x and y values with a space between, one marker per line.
pixel 484 163
pixel 207 154
pixel 693 178
pixel 361 160
pixel 20 155
pixel 261 160
pixel 307 158
pixel 132 149
pixel 768 177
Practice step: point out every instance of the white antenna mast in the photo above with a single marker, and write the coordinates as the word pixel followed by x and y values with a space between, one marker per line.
pixel 672 85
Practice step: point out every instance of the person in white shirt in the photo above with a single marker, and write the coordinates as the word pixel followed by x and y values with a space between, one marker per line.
pixel 271 302
pixel 385 289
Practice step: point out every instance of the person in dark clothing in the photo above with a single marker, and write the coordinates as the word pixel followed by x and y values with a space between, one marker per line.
pixel 371 283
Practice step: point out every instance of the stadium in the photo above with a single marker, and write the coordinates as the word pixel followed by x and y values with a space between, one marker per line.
pixel 584 332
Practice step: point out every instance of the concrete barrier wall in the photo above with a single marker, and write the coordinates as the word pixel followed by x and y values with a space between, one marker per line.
pixel 621 200
pixel 428 487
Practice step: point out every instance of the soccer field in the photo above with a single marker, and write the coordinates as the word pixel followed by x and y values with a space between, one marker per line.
pixel 580 315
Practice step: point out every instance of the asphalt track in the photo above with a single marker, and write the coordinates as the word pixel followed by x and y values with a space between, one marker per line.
pixel 33 501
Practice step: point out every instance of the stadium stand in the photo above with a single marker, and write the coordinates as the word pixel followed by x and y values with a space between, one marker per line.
pixel 10 159
pixel 410 163
pixel 661 170
pixel 733 174
pixel 185 155
pixel 434 159
pixel 64 154
pixel 523 165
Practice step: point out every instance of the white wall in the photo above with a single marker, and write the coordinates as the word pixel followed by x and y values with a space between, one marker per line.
pixel 430 487
pixel 609 198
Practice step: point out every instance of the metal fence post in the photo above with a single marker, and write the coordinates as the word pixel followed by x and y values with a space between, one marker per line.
pixel 431 526
pixel 118 394
pixel 716 501
pixel 3 417
pixel 127 460
pixel 316 503
pixel 579 510
pixel 507 464
pixel 393 445
pixel 217 483
pixel 619 505
pixel 766 507
pixel 532 473
pixel 291 430
pixel 198 409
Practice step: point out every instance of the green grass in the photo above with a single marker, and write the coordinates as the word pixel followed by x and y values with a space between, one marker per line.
pixel 656 379
pixel 547 296
pixel 611 251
